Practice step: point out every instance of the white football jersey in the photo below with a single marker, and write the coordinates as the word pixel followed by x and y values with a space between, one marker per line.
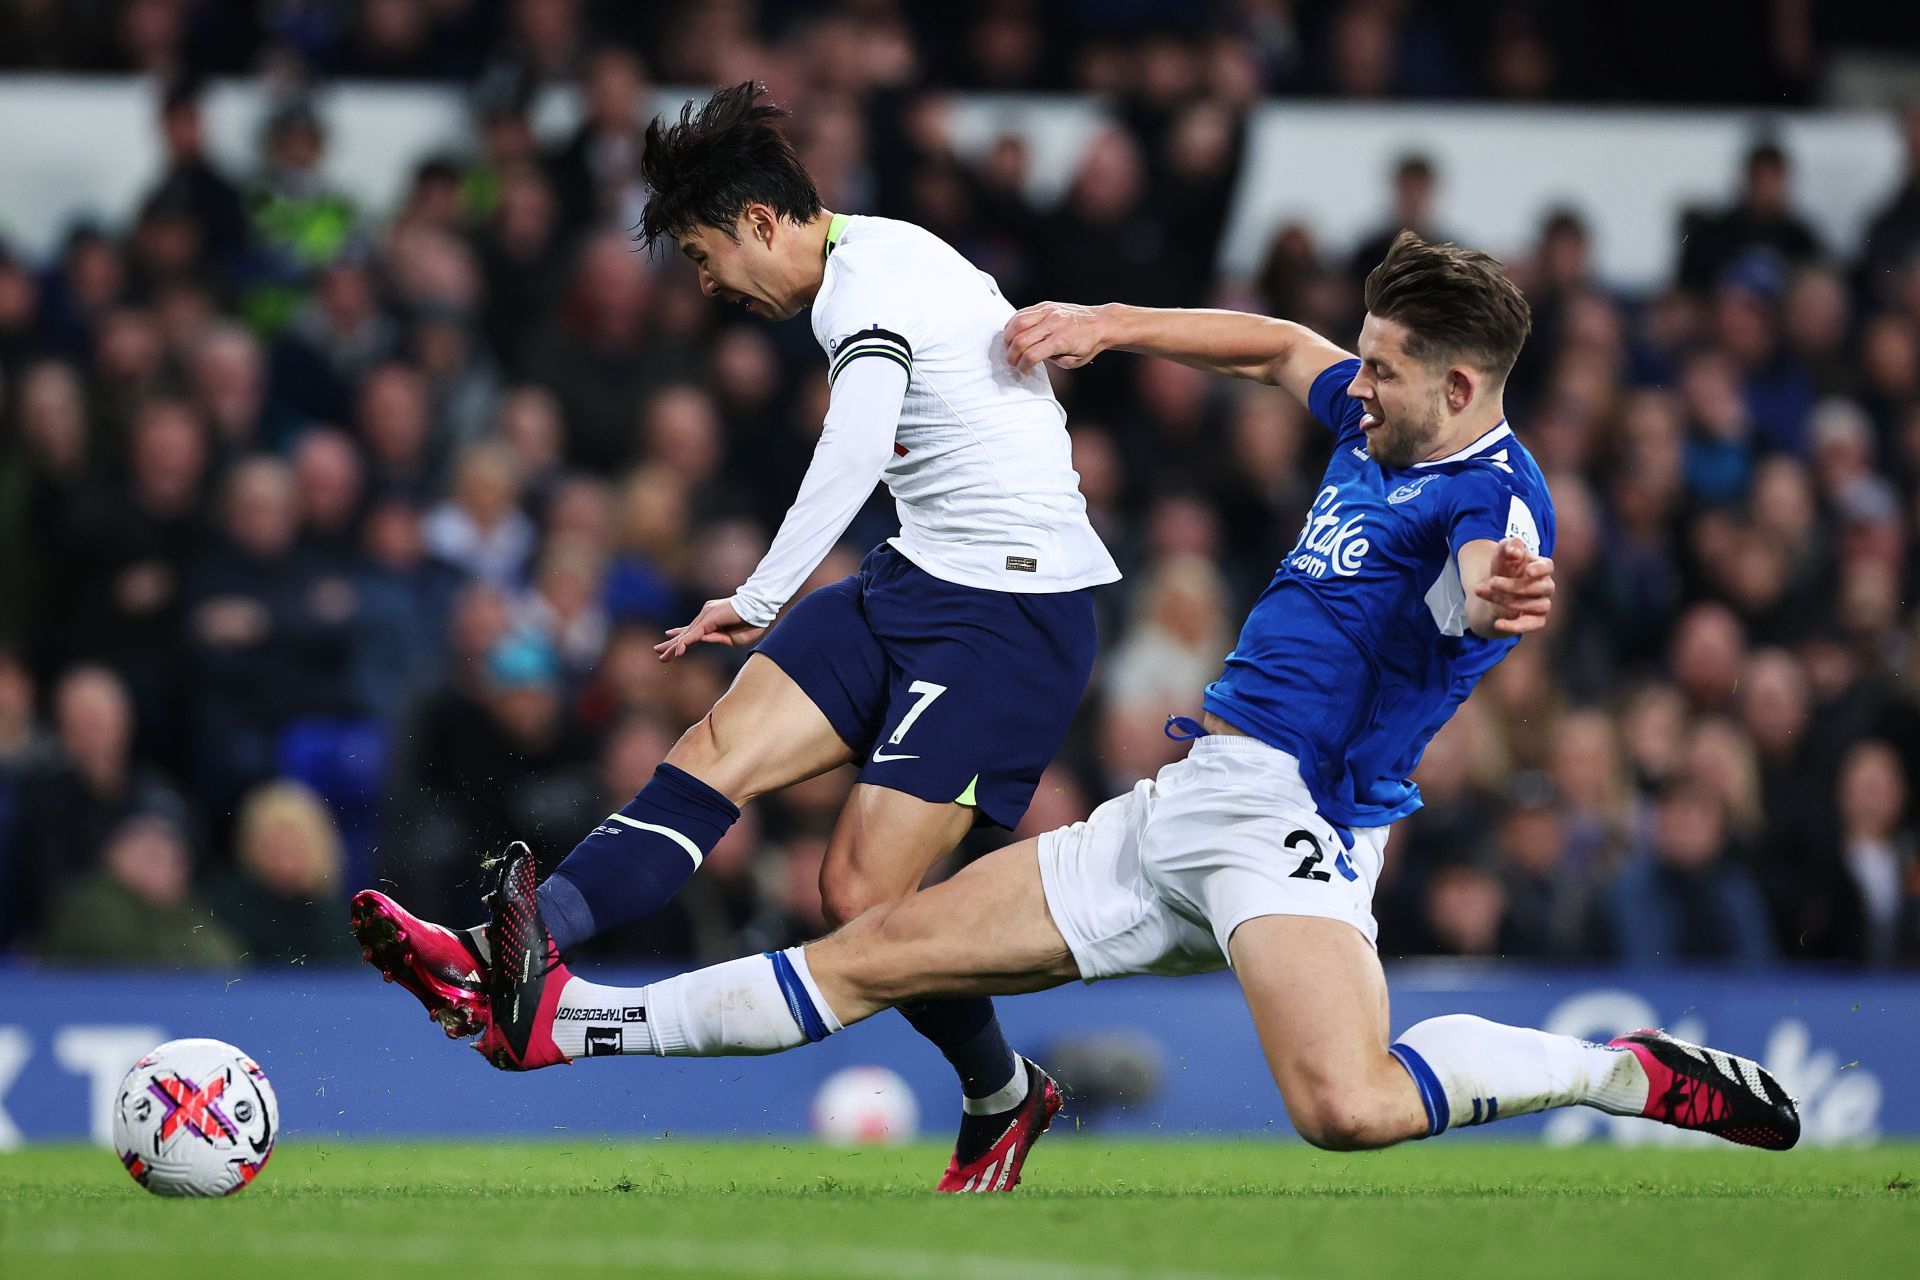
pixel 982 473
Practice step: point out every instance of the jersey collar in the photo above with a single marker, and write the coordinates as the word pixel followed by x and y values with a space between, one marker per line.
pixel 836 227
pixel 1500 432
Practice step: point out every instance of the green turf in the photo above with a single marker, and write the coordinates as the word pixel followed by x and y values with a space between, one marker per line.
pixel 1090 1210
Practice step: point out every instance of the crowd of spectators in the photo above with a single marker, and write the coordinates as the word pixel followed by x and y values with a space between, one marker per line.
pixel 1770 52
pixel 334 542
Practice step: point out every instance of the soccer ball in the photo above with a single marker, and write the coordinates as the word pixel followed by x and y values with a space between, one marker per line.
pixel 195 1118
pixel 860 1106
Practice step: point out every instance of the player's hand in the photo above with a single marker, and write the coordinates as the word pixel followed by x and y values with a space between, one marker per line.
pixel 716 623
pixel 1519 585
pixel 1064 332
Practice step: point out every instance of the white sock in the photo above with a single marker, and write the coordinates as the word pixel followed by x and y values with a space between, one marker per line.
pixel 592 1020
pixel 1471 1071
pixel 754 1005
pixel 477 935
pixel 1009 1095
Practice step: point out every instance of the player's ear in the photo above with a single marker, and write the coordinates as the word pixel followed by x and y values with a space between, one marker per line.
pixel 761 223
pixel 1462 386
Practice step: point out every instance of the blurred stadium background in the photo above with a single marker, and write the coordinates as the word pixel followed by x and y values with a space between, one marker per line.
pixel 352 459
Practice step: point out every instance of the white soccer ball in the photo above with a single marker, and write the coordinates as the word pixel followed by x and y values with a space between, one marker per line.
pixel 195 1118
pixel 863 1106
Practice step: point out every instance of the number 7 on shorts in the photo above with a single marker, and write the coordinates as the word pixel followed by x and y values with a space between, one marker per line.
pixel 927 692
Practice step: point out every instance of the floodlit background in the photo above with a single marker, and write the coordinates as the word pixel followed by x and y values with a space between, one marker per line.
pixel 352 458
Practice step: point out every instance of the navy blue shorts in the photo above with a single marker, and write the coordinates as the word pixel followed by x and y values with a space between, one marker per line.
pixel 948 693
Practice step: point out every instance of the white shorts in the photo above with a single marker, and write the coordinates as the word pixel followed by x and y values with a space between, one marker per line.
pixel 1157 880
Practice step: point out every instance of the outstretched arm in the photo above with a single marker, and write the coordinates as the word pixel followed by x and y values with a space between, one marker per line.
pixel 1236 343
pixel 855 445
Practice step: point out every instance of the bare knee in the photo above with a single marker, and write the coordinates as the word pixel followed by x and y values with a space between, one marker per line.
pixel 1332 1127
pixel 701 753
pixel 1345 1115
pixel 870 958
pixel 847 892
pixel 698 748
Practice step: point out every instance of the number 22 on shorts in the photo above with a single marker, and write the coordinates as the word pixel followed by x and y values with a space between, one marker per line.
pixel 927 691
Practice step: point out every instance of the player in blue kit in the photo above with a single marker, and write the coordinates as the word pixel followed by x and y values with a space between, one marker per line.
pixel 1425 556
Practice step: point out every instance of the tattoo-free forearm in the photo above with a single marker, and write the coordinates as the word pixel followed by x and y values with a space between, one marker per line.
pixel 1236 343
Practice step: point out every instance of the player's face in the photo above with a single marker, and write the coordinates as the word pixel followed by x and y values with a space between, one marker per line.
pixel 742 271
pixel 1405 399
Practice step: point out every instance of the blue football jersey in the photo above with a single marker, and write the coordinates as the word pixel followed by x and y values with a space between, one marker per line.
pixel 1358 650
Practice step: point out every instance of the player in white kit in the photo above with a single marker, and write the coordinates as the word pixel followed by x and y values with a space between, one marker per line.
pixel 949 667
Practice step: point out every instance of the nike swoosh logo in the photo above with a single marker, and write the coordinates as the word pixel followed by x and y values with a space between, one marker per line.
pixel 882 759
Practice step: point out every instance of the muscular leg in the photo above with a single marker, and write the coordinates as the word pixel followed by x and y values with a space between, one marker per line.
pixel 1319 1002
pixel 1313 985
pixel 882 848
pixel 763 734
pixel 984 932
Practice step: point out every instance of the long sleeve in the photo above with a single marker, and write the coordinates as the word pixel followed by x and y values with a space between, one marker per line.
pixel 855 445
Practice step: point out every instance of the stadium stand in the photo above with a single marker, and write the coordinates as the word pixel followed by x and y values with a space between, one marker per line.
pixel 391 503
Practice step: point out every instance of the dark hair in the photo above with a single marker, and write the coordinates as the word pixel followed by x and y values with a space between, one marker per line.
pixel 1563 220
pixel 1456 303
pixel 437 168
pixel 708 167
pixel 1414 165
pixel 180 93
pixel 1766 151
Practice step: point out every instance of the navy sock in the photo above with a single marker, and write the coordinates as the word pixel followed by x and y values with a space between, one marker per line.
pixel 967 1032
pixel 632 864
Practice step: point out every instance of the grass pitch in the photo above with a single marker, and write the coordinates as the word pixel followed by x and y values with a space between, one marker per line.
pixel 1091 1210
